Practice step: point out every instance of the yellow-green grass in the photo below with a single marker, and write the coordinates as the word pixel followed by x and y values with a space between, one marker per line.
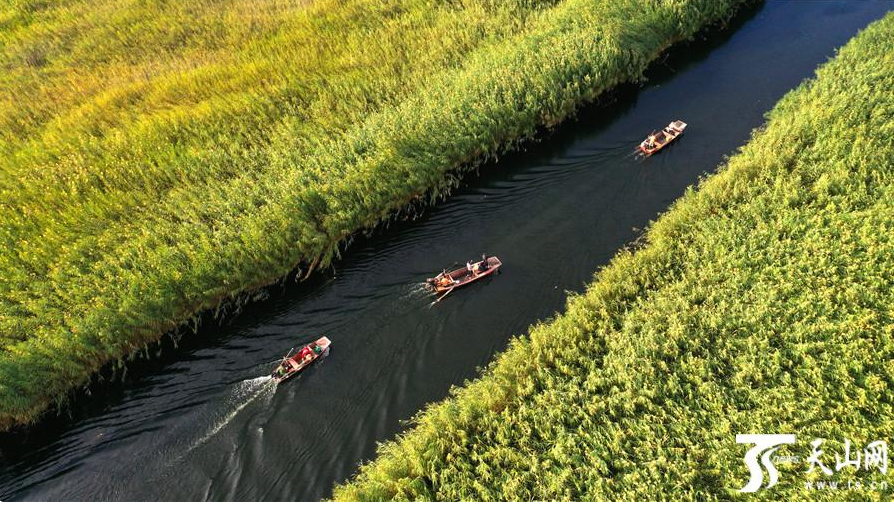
pixel 160 157
pixel 761 302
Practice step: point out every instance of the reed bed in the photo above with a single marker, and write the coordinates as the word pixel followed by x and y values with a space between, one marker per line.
pixel 761 302
pixel 158 159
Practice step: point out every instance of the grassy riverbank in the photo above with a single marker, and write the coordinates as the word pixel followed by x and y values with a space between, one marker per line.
pixel 759 303
pixel 159 158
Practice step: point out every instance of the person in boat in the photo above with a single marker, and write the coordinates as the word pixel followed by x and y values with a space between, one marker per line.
pixel 444 279
pixel 306 354
pixel 469 267
pixel 479 267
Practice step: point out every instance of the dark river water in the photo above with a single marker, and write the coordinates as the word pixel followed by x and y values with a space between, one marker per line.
pixel 201 422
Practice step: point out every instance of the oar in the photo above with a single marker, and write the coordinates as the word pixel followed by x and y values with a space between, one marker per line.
pixel 282 359
pixel 442 296
pixel 431 281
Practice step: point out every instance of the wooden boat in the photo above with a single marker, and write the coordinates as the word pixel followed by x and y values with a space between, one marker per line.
pixel 292 365
pixel 448 281
pixel 656 141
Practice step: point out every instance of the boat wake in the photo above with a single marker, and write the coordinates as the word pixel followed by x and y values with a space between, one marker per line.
pixel 244 393
pixel 416 291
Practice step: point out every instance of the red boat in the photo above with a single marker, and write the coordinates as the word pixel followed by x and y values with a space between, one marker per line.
pixel 448 281
pixel 292 365
pixel 658 141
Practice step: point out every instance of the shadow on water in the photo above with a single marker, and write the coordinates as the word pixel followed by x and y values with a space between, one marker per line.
pixel 200 421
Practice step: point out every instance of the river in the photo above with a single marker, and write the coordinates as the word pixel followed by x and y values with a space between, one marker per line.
pixel 200 422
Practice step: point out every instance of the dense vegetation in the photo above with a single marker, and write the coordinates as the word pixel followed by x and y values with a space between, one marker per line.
pixel 759 303
pixel 158 158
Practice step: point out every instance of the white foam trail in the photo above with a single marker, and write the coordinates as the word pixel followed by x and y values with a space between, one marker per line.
pixel 249 390
pixel 416 291
pixel 250 385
